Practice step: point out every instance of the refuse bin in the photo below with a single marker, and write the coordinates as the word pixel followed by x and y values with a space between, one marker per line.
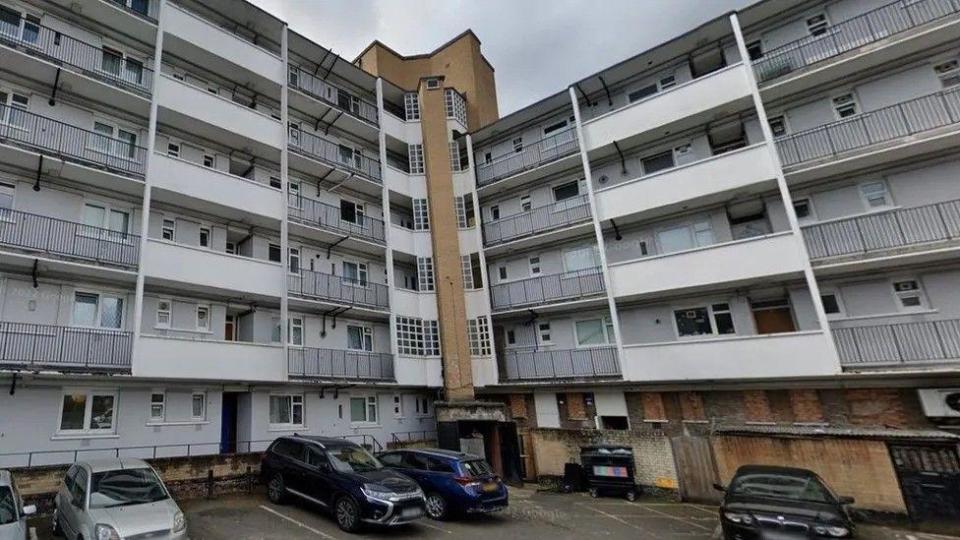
pixel 609 470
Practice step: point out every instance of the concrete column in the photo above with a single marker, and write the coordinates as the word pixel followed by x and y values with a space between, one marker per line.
pixel 284 182
pixel 385 200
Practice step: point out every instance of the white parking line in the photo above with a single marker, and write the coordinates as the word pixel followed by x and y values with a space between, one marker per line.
pixel 429 526
pixel 671 516
pixel 298 523
pixel 613 517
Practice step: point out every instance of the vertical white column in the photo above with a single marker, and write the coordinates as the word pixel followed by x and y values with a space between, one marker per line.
pixel 147 182
pixel 284 180
pixel 385 197
pixel 483 257
pixel 598 230
pixel 783 187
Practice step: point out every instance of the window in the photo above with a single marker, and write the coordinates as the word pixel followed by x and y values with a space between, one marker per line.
pixel 157 406
pixel 425 280
pixel 417 337
pixel 583 258
pixel 502 272
pixel 525 205
pixel 543 333
pixel 293 133
pixel 831 304
pixel 355 273
pixel 411 106
pixel 359 338
pixel 909 295
pixel 875 194
pixel 659 162
pixel 351 212
pixel 494 212
pixel 203 318
pixel 700 321
pixel 397 408
pixel 723 318
pixel 641 93
pixel 209 161
pixel 102 217
pixel 274 253
pixel 534 266
pixel 845 106
pixel 817 25
pixel 286 410
pixel 755 50
pixel 803 209
pixel 416 158
pixel 293 260
pixel 566 191
pixel 7 194
pixel 275 182
pixel 423 406
pixel 470 271
pixel 433 83
pixel 456 157
pixel 198 406
pixel 230 248
pixel 431 337
pixel 173 149
pixel 363 410
pixel 518 144
pixel 464 207
pixel 511 337
pixel 556 126
pixel 97 310
pixel 592 332
pixel 295 329
pixel 24 27
pixel 478 334
pixel 87 411
pixel 114 140
pixel 948 72
pixel 421 215
pixel 685 237
pixel 13 107
pixel 168 231
pixel 205 237
pixel 163 313
pixel 778 125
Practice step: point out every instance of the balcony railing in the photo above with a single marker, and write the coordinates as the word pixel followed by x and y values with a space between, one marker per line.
pixel 882 125
pixel 538 220
pixel 70 143
pixel 333 95
pixel 903 343
pixel 319 286
pixel 339 364
pixel 549 289
pixel 68 239
pixel 531 156
pixel 146 9
pixel 62 348
pixel 333 154
pixel 851 34
pixel 324 216
pixel 529 364
pixel 86 58
pixel 884 230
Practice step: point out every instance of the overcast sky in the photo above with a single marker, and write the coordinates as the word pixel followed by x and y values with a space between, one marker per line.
pixel 537 47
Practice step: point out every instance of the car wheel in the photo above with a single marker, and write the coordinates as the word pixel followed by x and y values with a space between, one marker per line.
pixel 276 490
pixel 594 493
pixel 57 529
pixel 631 495
pixel 436 507
pixel 347 514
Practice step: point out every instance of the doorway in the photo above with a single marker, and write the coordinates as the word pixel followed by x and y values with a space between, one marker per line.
pixel 773 316
pixel 930 481
pixel 228 423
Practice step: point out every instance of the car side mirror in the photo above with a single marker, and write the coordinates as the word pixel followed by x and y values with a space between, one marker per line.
pixel 324 467
pixel 844 500
pixel 719 487
pixel 76 501
pixel 30 510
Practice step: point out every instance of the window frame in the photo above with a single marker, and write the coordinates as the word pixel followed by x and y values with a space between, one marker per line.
pixel 919 292
pixel 203 405
pixel 835 293
pixel 362 272
pixel 865 198
pixel 366 337
pixel 168 311
pixel 607 330
pixel 369 400
pixel 205 309
pixel 162 404
pixel 293 405
pixel 854 102
pixel 100 296
pixel 89 395
pixel 544 328
pixel 478 337
pixel 292 324
pixel 707 305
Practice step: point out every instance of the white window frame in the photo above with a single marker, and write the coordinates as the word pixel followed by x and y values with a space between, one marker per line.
pixel 161 311
pixel 294 403
pixel 366 337
pixel 478 336
pixel 292 324
pixel 104 226
pixel 714 330
pixel 115 143
pixel 692 228
pixel 205 309
pixel 422 406
pixel 293 254
pixel 211 158
pixel 411 106
pixel 823 26
pixel 782 120
pixel 209 232
pixel 415 159
pixel 162 404
pixel 888 200
pixel 607 331
pixel 168 225
pixel 363 275
pixel 919 292
pixel 835 293
pixel 544 329
pixel 565 252
pixel 421 215
pixel 536 266
pixel 203 406
pixel 100 296
pixel 948 72
pixel 812 215
pixel 517 144
pixel 370 402
pixel 398 406
pixel 10 106
pixel 425 276
pixel 853 101
pixel 90 393
pixel 526 204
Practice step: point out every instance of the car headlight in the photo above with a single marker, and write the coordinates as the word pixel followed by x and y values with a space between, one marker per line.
pixel 832 531
pixel 179 522
pixel 105 532
pixel 374 491
pixel 736 517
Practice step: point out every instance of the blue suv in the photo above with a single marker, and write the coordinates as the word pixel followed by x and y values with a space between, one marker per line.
pixel 454 483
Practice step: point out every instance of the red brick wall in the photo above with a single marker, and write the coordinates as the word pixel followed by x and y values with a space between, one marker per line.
pixel 691 406
pixel 756 406
pixel 806 405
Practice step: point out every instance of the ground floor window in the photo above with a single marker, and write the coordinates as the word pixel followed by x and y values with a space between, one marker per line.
pixel 88 411
pixel 363 410
pixel 286 410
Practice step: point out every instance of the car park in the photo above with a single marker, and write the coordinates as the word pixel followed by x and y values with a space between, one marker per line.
pixel 782 502
pixel 110 499
pixel 454 483
pixel 342 477
pixel 13 514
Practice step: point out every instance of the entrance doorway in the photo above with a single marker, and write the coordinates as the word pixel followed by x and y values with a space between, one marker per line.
pixel 228 423
pixel 696 469
pixel 930 481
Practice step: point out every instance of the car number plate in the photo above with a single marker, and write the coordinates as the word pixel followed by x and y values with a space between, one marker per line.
pixel 490 487
pixel 411 512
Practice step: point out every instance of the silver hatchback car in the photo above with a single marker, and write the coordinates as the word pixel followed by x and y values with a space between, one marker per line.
pixel 112 499
pixel 13 514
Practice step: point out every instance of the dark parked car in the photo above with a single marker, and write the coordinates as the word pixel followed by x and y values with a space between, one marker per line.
pixel 455 483
pixel 343 477
pixel 782 502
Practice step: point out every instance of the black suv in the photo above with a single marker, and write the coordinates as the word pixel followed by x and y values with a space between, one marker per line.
pixel 341 476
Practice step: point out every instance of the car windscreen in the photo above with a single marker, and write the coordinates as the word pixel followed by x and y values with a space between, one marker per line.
pixel 350 458
pixel 125 487
pixel 476 467
pixel 781 486
pixel 8 506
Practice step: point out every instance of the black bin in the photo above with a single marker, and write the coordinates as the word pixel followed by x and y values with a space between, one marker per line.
pixel 609 470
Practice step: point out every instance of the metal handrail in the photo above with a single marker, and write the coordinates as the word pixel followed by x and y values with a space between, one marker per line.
pixel 317 285
pixel 70 143
pixel 533 363
pixel 884 230
pixel 547 289
pixel 352 365
pixel 900 343
pixel 32 346
pixel 420 434
pixel 541 152
pixel 328 152
pixel 889 123
pixel 537 220
pixel 326 216
pixel 69 239
pixel 333 94
pixel 88 59
pixel 866 28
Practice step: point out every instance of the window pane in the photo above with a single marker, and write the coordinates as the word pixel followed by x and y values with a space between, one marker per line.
pixel 658 162
pixel 119 221
pixel 590 332
pixel 354 337
pixel 101 412
pixel 566 191
pixel 580 259
pixel 830 303
pixel 693 322
pixel 724 323
pixel 677 239
pixel 74 407
pixel 85 309
pixel 279 409
pixel 111 314
pixel 358 410
pixel 94 216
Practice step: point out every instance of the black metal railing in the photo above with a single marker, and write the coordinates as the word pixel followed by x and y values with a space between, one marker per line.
pixel 526 364
pixel 537 220
pixel 70 143
pixel 903 343
pixel 88 59
pixel 851 34
pixel 532 155
pixel 316 285
pixel 333 95
pixel 31 346
pixel 884 230
pixel 146 9
pixel 68 239
pixel 547 289
pixel 333 154
pixel 882 125
pixel 325 216
pixel 314 363
pixel 400 438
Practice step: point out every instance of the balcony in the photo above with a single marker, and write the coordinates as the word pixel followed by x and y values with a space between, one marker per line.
pixel 332 364
pixel 550 289
pixel 323 156
pixel 324 217
pixel 41 347
pixel 310 285
pixel 725 264
pixel 905 230
pixel 326 95
pixel 892 21
pixel 208 359
pixel 537 221
pixel 35 133
pixel 926 121
pixel 532 364
pixel 546 151
pixel 909 344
